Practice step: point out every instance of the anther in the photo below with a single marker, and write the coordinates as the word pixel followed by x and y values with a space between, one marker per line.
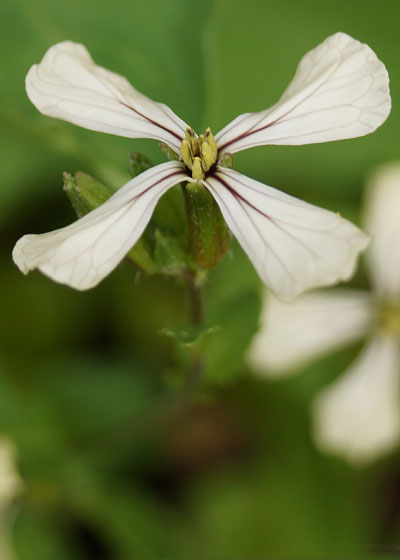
pixel 186 153
pixel 197 169
pixel 207 156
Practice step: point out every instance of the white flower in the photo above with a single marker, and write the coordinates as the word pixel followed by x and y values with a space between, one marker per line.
pixel 358 415
pixel 10 481
pixel 340 90
pixel 11 486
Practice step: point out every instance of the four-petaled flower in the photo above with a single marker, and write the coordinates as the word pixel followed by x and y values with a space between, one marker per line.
pixel 340 90
pixel 358 415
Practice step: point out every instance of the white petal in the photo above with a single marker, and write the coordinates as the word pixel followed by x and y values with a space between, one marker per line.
pixel 340 90
pixel 358 416
pixel 383 222
pixel 83 253
pixel 312 325
pixel 10 481
pixel 293 245
pixel 68 85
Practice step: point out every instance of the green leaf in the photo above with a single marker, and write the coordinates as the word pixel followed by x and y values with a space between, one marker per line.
pixel 189 336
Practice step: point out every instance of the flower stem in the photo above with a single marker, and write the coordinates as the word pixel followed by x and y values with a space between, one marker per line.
pixel 195 299
pixel 195 319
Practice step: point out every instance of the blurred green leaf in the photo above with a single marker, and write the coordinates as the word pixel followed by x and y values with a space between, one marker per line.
pixel 39 537
pixel 236 322
pixel 189 336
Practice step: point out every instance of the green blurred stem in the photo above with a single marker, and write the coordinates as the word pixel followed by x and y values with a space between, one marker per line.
pixel 195 299
pixel 195 318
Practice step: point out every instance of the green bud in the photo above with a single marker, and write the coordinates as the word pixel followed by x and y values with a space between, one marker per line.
pixel 140 255
pixel 85 192
pixel 169 152
pixel 226 161
pixel 169 254
pixel 138 163
pixel 207 231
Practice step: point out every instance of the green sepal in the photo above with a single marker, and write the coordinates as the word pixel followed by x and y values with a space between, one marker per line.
pixel 208 234
pixel 138 163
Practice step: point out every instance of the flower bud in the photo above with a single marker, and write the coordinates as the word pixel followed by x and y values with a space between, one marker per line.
pixel 138 163
pixel 86 194
pixel 169 253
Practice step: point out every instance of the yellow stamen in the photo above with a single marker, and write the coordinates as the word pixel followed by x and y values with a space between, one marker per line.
pixel 207 156
pixel 191 139
pixel 186 153
pixel 197 170
pixel 211 142
pixel 389 317
pixel 199 154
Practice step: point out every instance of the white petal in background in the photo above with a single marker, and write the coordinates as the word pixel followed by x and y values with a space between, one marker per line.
pixel 313 324
pixel 68 85
pixel 11 486
pixel 358 416
pixel 382 221
pixel 340 90
pixel 83 253
pixel 293 245
pixel 10 481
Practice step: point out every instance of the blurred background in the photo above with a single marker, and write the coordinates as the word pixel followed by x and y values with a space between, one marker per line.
pixel 113 463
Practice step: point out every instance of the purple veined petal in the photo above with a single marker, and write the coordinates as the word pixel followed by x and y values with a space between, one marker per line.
pixel 68 85
pixel 293 245
pixel 358 416
pixel 382 221
pixel 293 333
pixel 340 90
pixel 83 253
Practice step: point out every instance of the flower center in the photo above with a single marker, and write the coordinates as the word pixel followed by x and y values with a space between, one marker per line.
pixel 389 317
pixel 199 153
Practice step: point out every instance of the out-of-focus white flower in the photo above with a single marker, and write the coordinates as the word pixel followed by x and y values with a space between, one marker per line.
pixel 358 415
pixel 11 486
pixel 340 90
pixel 10 481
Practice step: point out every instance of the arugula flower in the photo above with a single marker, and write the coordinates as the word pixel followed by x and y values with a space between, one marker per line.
pixel 340 90
pixel 358 415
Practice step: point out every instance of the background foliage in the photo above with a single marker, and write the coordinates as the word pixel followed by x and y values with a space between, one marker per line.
pixel 112 469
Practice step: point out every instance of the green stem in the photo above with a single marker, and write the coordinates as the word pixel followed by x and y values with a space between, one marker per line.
pixel 195 318
pixel 195 299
